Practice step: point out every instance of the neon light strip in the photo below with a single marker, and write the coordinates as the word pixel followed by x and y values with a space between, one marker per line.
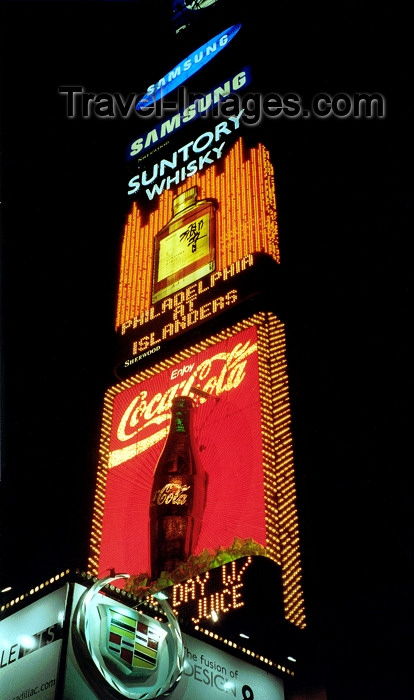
pixel 188 67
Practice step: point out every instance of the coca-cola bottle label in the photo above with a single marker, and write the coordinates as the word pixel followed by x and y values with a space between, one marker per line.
pixel 176 494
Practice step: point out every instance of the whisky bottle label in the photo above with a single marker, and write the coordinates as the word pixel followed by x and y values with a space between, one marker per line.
pixel 183 256
pixel 183 247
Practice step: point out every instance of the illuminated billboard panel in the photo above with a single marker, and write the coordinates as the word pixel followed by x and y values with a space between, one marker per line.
pixel 31 648
pixel 204 233
pixel 82 640
pixel 209 673
pixel 241 428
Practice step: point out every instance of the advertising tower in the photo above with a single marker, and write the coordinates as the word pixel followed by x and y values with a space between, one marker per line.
pixel 193 585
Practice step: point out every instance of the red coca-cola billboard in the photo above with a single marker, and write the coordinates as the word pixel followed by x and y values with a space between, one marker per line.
pixel 238 385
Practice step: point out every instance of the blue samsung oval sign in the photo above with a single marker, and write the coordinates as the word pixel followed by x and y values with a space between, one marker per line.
pixel 188 67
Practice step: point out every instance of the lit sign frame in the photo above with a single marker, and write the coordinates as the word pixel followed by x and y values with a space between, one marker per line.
pixel 246 236
pixel 282 536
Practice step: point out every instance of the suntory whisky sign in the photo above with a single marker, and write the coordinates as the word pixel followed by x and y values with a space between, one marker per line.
pixel 203 205
pixel 238 385
pixel 200 252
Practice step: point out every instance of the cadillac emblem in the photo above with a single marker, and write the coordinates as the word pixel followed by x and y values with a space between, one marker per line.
pixel 122 652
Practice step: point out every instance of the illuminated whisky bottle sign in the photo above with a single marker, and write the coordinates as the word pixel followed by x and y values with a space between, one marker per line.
pixel 202 250
pixel 184 249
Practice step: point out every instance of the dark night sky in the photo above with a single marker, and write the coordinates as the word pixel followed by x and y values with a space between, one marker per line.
pixel 343 206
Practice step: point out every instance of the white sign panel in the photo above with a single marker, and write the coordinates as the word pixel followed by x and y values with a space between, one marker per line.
pixel 30 647
pixel 211 674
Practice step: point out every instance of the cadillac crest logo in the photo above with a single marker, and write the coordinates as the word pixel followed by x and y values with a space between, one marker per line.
pixel 123 652
pixel 131 639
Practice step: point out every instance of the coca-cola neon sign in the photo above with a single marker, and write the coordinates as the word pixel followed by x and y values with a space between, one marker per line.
pixel 238 383
pixel 223 382
pixel 147 414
